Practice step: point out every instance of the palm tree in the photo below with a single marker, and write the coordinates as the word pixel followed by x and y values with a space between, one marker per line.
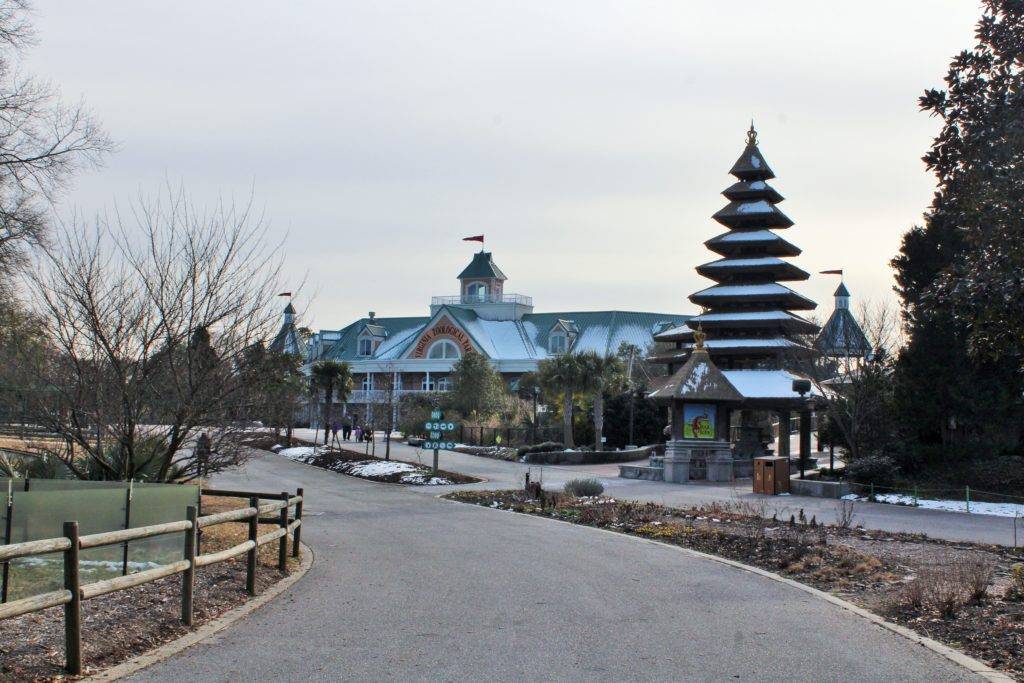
pixel 599 374
pixel 561 374
pixel 333 378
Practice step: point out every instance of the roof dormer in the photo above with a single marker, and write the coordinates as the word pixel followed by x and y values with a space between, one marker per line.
pixel 561 336
pixel 370 337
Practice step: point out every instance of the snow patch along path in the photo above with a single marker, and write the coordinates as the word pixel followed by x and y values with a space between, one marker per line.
pixel 977 508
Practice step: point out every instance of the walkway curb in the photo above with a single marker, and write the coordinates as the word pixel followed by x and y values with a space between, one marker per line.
pixel 957 657
pixel 208 629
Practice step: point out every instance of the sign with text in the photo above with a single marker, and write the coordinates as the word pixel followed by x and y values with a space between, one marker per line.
pixel 444 329
pixel 698 421
pixel 432 445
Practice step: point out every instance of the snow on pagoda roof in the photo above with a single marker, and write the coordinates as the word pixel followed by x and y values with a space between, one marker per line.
pixel 764 383
pixel 745 290
pixel 737 262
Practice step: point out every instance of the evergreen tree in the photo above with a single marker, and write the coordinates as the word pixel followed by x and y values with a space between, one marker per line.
pixel 958 275
pixel 477 388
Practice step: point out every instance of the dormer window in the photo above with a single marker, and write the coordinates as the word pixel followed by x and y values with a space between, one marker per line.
pixel 366 347
pixel 558 343
pixel 443 349
pixel 476 291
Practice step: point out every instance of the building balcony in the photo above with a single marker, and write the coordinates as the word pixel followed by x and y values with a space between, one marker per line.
pixel 381 396
pixel 465 299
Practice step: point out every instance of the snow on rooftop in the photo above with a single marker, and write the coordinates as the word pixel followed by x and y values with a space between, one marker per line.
pixel 755 161
pixel 747 343
pixel 738 262
pixel 751 236
pixel 745 315
pixel 763 383
pixel 744 290
pixel 696 377
pixel 760 206
pixel 758 185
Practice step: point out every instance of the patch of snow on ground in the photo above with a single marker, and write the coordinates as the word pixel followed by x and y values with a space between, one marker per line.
pixel 298 452
pixel 378 468
pixel 977 508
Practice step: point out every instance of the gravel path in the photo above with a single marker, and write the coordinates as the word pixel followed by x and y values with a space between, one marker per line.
pixel 409 587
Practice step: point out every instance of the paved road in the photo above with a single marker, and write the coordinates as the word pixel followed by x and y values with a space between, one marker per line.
pixel 954 526
pixel 409 587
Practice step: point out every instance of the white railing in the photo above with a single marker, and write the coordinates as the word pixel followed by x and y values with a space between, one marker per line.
pixel 488 299
pixel 381 396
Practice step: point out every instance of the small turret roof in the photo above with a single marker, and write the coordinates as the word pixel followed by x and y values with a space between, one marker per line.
pixel 289 309
pixel 698 380
pixel 482 266
pixel 842 290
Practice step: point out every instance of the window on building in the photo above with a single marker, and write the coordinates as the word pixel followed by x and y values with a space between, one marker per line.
pixel 368 382
pixel 477 291
pixel 427 384
pixel 443 349
pixel 558 343
pixel 365 347
pixel 443 384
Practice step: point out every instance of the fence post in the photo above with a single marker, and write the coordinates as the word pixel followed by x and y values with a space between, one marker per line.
pixel 967 497
pixel 73 609
pixel 282 544
pixel 8 530
pixel 298 530
pixel 871 496
pixel 127 525
pixel 253 554
pixel 188 577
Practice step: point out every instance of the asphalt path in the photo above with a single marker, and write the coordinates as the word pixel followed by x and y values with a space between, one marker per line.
pixel 953 526
pixel 407 587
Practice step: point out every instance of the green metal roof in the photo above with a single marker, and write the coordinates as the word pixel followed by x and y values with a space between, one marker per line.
pixel 482 266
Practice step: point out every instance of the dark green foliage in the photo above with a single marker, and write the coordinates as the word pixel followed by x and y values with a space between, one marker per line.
pixel 414 411
pixel 872 469
pixel 477 388
pixel 584 487
pixel 544 447
pixel 958 380
pixel 649 420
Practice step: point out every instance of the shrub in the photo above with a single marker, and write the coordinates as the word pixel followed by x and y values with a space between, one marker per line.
pixel 584 487
pixel 541 448
pixel 844 514
pixel 1015 591
pixel 975 575
pixel 872 469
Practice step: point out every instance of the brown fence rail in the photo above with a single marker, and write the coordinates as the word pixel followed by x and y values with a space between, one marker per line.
pixel 70 543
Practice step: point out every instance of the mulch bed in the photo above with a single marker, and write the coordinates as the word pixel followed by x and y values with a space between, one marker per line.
pixel 124 624
pixel 910 579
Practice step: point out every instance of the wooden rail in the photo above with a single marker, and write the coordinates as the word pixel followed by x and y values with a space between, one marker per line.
pixel 71 543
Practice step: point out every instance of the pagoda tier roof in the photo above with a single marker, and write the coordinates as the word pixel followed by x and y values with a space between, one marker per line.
pixel 768 388
pixel 752 295
pixel 733 346
pixel 751 165
pixel 745 190
pixel 729 269
pixel 730 320
pixel 759 213
pixel 698 380
pixel 762 242
pixel 674 333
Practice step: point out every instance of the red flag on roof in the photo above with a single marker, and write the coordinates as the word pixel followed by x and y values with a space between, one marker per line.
pixel 474 238
pixel 832 272
pixel 285 294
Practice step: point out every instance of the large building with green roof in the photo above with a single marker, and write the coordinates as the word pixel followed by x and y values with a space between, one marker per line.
pixel 417 353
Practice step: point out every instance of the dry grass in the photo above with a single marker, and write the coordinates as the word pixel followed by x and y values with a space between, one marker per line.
pixel 223 536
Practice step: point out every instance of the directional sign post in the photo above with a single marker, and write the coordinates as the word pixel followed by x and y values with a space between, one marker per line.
pixel 437 429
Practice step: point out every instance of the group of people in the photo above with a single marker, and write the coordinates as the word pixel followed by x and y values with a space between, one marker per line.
pixel 336 432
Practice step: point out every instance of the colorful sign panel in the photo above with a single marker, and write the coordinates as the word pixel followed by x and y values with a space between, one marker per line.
pixel 698 421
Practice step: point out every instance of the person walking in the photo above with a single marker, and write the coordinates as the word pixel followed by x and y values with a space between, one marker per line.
pixel 359 433
pixel 346 429
pixel 335 428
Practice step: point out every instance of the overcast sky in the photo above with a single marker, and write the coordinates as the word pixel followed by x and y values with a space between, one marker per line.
pixel 588 140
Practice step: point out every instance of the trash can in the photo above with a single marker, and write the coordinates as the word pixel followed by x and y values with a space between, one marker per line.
pixel 771 475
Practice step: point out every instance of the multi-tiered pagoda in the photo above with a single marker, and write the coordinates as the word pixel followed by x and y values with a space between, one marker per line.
pixel 748 314
pixel 755 334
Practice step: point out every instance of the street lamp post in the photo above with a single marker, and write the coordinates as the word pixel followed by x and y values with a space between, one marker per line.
pixel 536 393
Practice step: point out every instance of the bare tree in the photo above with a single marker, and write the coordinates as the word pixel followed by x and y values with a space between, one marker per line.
pixel 43 142
pixel 856 390
pixel 149 321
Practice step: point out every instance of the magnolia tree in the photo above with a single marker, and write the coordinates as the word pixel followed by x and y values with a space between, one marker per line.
pixel 150 325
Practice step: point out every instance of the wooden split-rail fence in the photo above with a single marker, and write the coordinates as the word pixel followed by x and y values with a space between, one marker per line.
pixel 71 543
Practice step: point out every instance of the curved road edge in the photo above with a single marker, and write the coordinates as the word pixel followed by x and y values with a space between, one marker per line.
pixel 962 659
pixel 208 629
